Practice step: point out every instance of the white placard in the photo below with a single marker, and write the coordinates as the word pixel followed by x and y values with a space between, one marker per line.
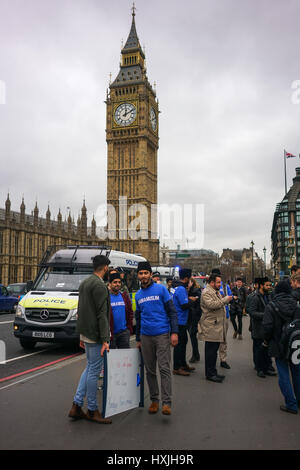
pixel 123 381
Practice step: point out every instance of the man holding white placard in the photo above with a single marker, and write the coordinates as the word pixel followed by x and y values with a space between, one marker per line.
pixel 93 326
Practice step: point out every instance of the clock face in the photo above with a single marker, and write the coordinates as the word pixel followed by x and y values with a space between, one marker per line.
pixel 153 119
pixel 125 114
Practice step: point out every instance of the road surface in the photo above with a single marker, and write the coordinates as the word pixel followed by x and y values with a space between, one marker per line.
pixel 241 413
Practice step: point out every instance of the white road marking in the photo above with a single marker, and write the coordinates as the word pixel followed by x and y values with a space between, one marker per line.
pixel 26 355
pixel 59 366
pixel 4 322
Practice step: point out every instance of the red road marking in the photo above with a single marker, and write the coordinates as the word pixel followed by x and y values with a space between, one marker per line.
pixel 40 367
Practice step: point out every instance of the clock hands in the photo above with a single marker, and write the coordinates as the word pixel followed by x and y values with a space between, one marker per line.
pixel 126 112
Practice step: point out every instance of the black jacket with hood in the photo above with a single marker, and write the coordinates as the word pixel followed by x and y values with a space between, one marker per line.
pixel 273 322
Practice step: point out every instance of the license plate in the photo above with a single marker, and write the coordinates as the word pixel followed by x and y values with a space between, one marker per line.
pixel 42 334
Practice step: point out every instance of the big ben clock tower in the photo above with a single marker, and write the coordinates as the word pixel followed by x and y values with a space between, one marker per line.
pixel 132 144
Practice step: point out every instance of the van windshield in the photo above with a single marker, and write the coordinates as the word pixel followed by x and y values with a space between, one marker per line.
pixel 61 281
pixel 16 289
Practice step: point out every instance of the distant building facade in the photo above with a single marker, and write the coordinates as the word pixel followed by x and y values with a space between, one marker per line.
pixel 199 261
pixel 24 238
pixel 286 231
pixel 238 263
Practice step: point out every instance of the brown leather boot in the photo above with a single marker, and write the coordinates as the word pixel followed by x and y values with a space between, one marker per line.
pixel 166 410
pixel 153 408
pixel 189 369
pixel 76 412
pixel 97 417
pixel 180 372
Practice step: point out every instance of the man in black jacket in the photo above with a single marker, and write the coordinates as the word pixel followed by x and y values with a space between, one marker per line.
pixel 169 281
pixel 279 311
pixel 295 269
pixel 256 309
pixel 193 318
pixel 182 302
pixel 237 306
pixel 295 282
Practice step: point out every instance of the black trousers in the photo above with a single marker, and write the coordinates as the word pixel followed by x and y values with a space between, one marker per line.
pixel 211 354
pixel 237 329
pixel 193 330
pixel 179 356
pixel 121 340
pixel 261 359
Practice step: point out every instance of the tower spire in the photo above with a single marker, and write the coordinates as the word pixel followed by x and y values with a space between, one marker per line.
pixel 133 9
pixel 132 40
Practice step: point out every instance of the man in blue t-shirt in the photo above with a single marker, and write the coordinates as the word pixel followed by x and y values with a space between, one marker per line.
pixel 156 328
pixel 182 304
pixel 121 314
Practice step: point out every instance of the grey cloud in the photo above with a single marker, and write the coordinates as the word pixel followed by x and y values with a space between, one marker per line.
pixel 224 71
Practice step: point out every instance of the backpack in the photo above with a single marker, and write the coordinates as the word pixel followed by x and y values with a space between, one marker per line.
pixel 289 343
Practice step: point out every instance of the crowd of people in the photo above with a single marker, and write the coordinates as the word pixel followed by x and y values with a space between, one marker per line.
pixel 167 314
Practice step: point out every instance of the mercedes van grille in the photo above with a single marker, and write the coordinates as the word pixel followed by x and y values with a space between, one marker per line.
pixel 45 315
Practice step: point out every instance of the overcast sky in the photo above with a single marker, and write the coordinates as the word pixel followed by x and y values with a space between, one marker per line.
pixel 224 71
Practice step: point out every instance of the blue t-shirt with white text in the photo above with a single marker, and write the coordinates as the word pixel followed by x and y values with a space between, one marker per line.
pixel 150 302
pixel 119 313
pixel 180 298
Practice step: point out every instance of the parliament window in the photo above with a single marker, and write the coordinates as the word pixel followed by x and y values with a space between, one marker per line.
pixel 16 243
pixel 30 247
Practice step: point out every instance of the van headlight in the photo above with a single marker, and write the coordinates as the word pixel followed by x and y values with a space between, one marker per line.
pixel 73 313
pixel 20 311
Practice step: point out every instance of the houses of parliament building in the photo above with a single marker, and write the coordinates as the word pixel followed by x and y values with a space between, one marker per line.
pixel 132 135
pixel 24 238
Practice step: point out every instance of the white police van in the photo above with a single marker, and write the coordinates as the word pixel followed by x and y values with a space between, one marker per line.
pixel 48 312
pixel 165 272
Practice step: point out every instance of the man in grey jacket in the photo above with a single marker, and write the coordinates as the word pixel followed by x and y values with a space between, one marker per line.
pixel 94 327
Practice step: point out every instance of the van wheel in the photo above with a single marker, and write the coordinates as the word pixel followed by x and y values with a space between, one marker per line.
pixel 27 343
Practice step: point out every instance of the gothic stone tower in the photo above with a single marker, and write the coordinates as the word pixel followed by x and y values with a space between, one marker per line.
pixel 132 144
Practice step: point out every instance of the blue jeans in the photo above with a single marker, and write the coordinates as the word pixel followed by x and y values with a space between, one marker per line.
pixel 89 379
pixel 290 391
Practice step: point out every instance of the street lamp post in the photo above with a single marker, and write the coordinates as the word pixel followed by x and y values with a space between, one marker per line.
pixel 252 263
pixel 265 250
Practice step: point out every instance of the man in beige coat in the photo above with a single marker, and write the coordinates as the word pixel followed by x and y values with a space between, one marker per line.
pixel 212 326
